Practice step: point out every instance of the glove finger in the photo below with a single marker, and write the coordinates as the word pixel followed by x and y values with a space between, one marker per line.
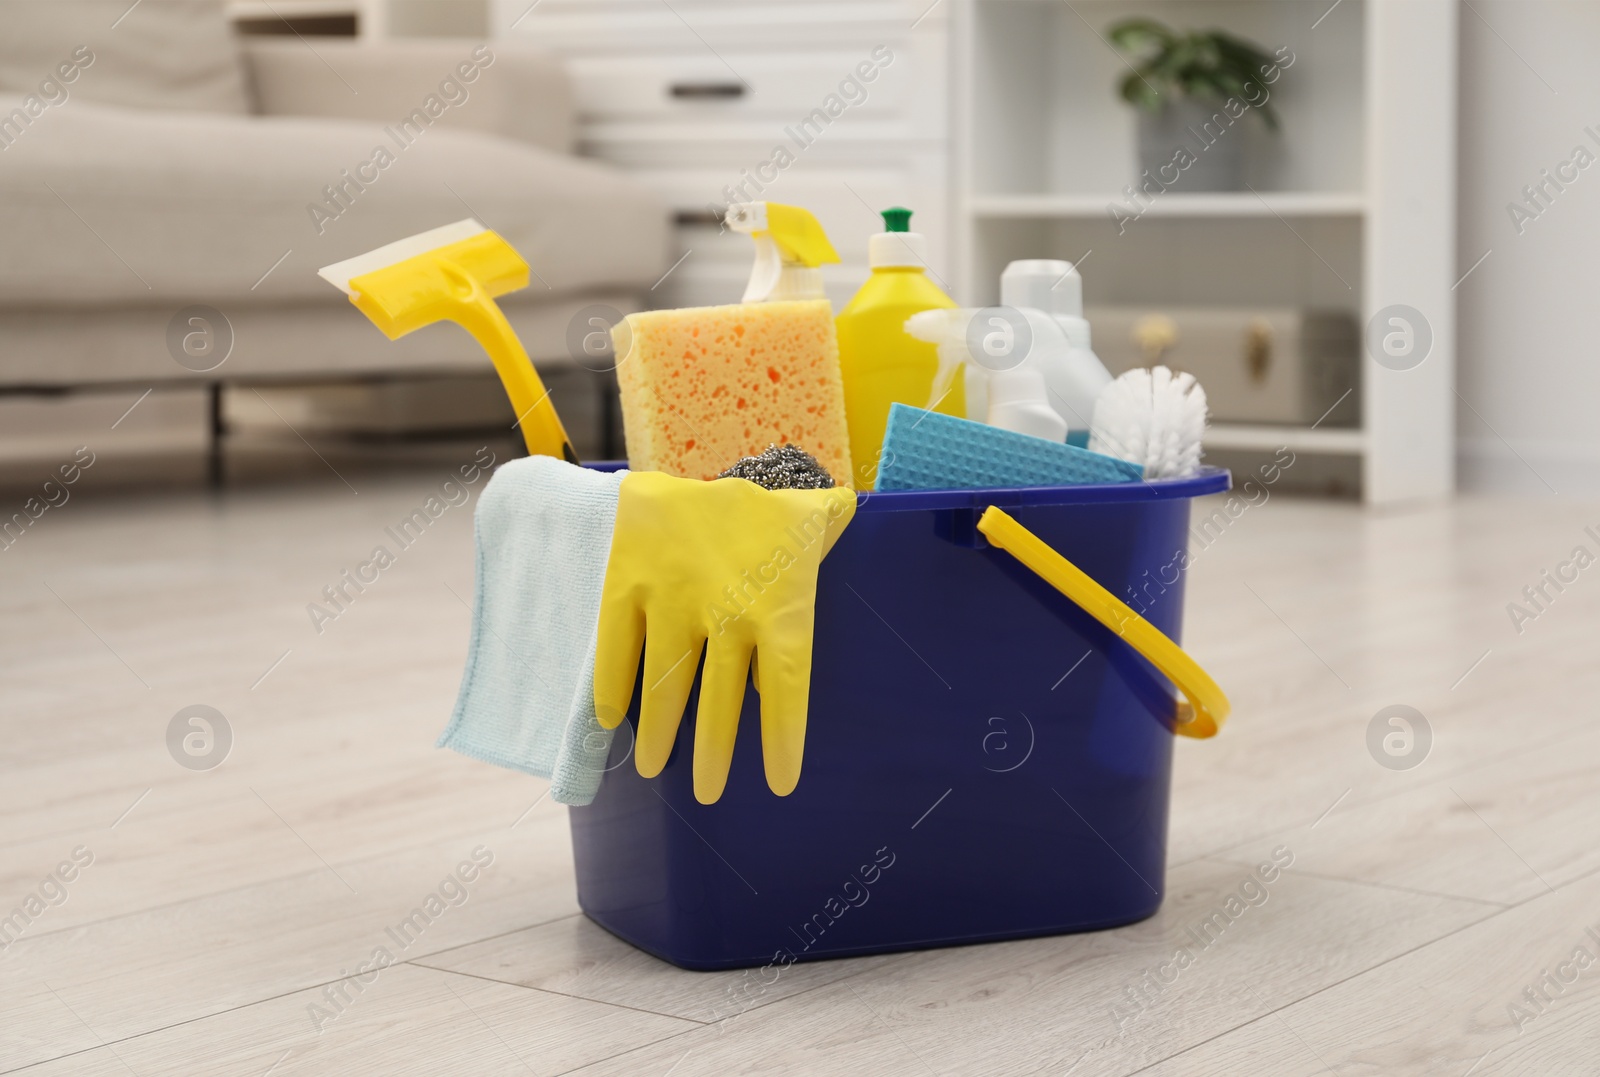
pixel 671 657
pixel 618 641
pixel 717 720
pixel 785 695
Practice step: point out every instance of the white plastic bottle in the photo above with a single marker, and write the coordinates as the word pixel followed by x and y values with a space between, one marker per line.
pixel 1049 294
pixel 1013 398
pixel 1045 324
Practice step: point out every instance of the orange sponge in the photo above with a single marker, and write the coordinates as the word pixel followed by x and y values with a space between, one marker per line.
pixel 704 386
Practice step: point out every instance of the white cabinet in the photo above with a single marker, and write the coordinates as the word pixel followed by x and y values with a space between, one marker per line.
pixel 839 107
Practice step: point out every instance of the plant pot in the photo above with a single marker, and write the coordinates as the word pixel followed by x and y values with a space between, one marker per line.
pixel 1215 141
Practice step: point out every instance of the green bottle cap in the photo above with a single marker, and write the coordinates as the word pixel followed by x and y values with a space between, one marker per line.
pixel 896 219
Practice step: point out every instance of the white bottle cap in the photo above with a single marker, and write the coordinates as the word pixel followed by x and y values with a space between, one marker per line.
pixel 1046 284
pixel 888 249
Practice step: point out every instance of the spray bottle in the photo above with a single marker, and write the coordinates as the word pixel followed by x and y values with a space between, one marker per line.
pixel 1013 397
pixel 790 245
pixel 1028 354
pixel 1048 293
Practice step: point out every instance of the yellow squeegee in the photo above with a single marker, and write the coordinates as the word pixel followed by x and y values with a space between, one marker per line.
pixel 454 274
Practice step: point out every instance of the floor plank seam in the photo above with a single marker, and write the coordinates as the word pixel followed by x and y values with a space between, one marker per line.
pixel 896 959
pixel 282 994
pixel 631 1050
pixel 276 879
pixel 490 938
pixel 1313 994
pixel 559 994
pixel 1501 905
pixel 1451 776
pixel 418 962
pixel 179 811
pixel 1556 889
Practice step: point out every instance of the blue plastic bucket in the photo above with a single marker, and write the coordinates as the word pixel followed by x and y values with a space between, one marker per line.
pixel 983 760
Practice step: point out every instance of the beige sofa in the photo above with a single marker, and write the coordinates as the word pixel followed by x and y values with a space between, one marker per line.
pixel 151 162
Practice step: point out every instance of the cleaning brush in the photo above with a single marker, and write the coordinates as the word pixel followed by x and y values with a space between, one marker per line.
pixel 1153 418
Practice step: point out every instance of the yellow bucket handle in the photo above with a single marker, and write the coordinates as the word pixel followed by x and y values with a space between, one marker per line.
pixel 1207 707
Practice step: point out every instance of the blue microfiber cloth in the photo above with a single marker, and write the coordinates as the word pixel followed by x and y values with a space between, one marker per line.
pixel 543 533
pixel 924 450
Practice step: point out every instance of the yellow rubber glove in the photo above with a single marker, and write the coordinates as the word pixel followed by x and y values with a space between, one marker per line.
pixel 727 565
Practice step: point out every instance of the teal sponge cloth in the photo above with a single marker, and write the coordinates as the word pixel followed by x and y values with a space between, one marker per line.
pixel 924 450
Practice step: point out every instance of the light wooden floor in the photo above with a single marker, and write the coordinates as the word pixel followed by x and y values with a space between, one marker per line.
pixel 1420 906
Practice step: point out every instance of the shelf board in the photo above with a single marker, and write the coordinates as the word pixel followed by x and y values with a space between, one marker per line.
pixel 1251 436
pixel 1175 205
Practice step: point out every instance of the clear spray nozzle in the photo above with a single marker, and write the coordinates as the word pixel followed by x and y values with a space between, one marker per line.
pixel 947 330
pixel 790 245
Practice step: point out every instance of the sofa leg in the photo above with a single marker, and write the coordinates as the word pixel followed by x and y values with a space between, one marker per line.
pixel 215 469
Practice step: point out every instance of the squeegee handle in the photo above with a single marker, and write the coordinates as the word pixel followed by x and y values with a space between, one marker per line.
pixel 542 430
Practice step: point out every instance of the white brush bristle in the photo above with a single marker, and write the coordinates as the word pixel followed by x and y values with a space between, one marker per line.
pixel 1153 418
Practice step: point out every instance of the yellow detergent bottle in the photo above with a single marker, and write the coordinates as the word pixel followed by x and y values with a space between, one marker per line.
pixel 881 363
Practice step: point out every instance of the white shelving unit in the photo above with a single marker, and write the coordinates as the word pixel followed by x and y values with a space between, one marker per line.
pixel 1351 205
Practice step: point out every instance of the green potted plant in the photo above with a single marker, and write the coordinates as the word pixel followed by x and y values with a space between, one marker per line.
pixel 1194 91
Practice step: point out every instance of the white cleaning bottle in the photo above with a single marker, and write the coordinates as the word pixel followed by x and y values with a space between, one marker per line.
pixel 1014 398
pixel 1048 293
pixel 1039 327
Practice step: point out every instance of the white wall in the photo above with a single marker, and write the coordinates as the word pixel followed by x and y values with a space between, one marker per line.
pixel 1529 316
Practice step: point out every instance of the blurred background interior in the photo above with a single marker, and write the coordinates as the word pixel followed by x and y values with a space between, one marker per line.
pixel 1389 284
pixel 164 216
